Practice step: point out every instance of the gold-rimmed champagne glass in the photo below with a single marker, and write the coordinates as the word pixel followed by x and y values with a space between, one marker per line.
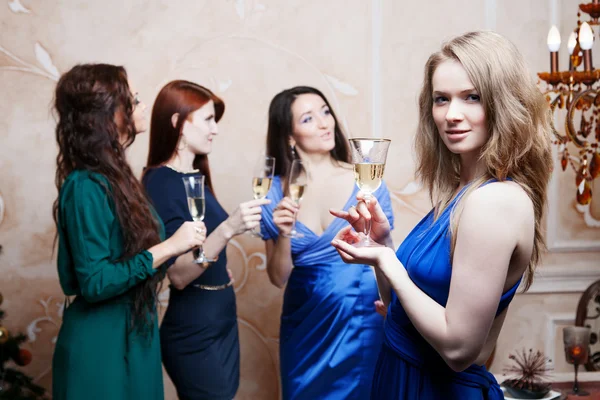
pixel 194 189
pixel 369 157
pixel 261 181
pixel 297 181
pixel 577 342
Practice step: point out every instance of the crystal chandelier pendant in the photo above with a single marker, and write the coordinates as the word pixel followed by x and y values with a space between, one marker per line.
pixel 584 193
pixel 574 94
pixel 595 165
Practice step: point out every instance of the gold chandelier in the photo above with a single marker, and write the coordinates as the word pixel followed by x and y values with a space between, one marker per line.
pixel 576 93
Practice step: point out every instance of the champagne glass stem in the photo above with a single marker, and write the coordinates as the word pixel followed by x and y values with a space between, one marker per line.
pixel 293 231
pixel 199 256
pixel 368 222
pixel 575 382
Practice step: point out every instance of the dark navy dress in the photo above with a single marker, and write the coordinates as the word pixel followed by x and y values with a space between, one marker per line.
pixel 408 367
pixel 199 333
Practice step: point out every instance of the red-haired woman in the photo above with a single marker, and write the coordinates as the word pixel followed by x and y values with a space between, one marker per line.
pixel 199 335
pixel 109 244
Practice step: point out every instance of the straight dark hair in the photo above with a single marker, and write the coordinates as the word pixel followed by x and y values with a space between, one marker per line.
pixel 280 130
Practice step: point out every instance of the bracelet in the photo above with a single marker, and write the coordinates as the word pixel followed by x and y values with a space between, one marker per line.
pixel 206 264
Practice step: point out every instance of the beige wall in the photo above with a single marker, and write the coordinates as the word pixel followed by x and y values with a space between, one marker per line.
pixel 366 55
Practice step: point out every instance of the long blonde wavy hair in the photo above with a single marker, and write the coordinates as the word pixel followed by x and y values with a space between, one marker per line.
pixel 518 121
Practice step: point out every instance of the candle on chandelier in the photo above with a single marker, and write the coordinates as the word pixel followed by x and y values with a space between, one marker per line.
pixel 571 46
pixel 553 45
pixel 586 41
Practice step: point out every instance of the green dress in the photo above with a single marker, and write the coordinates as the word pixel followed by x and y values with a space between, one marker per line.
pixel 97 356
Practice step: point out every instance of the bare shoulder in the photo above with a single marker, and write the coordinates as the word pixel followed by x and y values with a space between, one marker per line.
pixel 501 200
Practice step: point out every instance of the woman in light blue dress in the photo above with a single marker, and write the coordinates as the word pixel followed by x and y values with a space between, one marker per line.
pixel 483 147
pixel 330 331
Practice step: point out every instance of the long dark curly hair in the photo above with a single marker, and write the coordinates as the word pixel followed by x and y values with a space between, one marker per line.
pixel 95 125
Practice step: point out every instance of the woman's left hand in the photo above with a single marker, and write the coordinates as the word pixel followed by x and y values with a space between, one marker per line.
pixel 246 216
pixel 343 242
pixel 380 308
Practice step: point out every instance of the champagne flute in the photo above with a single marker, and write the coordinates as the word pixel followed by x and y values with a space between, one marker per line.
pixel 297 181
pixel 261 181
pixel 577 341
pixel 369 157
pixel 194 189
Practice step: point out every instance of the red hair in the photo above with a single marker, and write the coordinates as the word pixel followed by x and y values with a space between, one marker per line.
pixel 182 98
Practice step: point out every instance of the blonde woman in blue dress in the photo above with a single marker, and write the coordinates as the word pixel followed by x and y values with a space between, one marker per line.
pixel 483 147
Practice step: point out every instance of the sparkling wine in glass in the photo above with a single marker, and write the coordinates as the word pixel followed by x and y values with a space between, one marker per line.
pixel 194 189
pixel 297 181
pixel 577 341
pixel 368 156
pixel 261 181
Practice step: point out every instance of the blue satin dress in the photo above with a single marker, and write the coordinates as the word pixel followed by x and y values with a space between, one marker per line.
pixel 408 368
pixel 330 332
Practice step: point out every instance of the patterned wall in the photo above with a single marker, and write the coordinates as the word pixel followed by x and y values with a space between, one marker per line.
pixel 365 55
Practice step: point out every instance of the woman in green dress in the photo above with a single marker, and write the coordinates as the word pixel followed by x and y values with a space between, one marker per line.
pixel 110 248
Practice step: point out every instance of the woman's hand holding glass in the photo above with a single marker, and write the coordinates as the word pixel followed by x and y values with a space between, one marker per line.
pixel 189 235
pixel 246 216
pixel 376 256
pixel 380 308
pixel 346 239
pixel 357 216
pixel 284 216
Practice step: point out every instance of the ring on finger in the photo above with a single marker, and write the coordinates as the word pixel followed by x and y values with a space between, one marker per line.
pixel 198 230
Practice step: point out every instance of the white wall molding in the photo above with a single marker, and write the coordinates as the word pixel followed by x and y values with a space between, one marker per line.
pixel 552 222
pixel 565 279
pixel 582 376
pixel 572 246
pixel 554 320
pixel 554 243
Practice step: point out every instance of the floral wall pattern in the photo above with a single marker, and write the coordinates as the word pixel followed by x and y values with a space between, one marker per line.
pixel 366 56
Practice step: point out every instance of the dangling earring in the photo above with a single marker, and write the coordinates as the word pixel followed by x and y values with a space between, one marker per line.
pixel 293 149
pixel 182 142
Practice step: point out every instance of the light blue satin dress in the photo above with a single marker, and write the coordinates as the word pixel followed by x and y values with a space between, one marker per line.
pixel 330 333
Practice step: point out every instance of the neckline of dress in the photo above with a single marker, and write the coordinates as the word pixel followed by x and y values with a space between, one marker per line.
pixel 320 236
pixel 193 171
